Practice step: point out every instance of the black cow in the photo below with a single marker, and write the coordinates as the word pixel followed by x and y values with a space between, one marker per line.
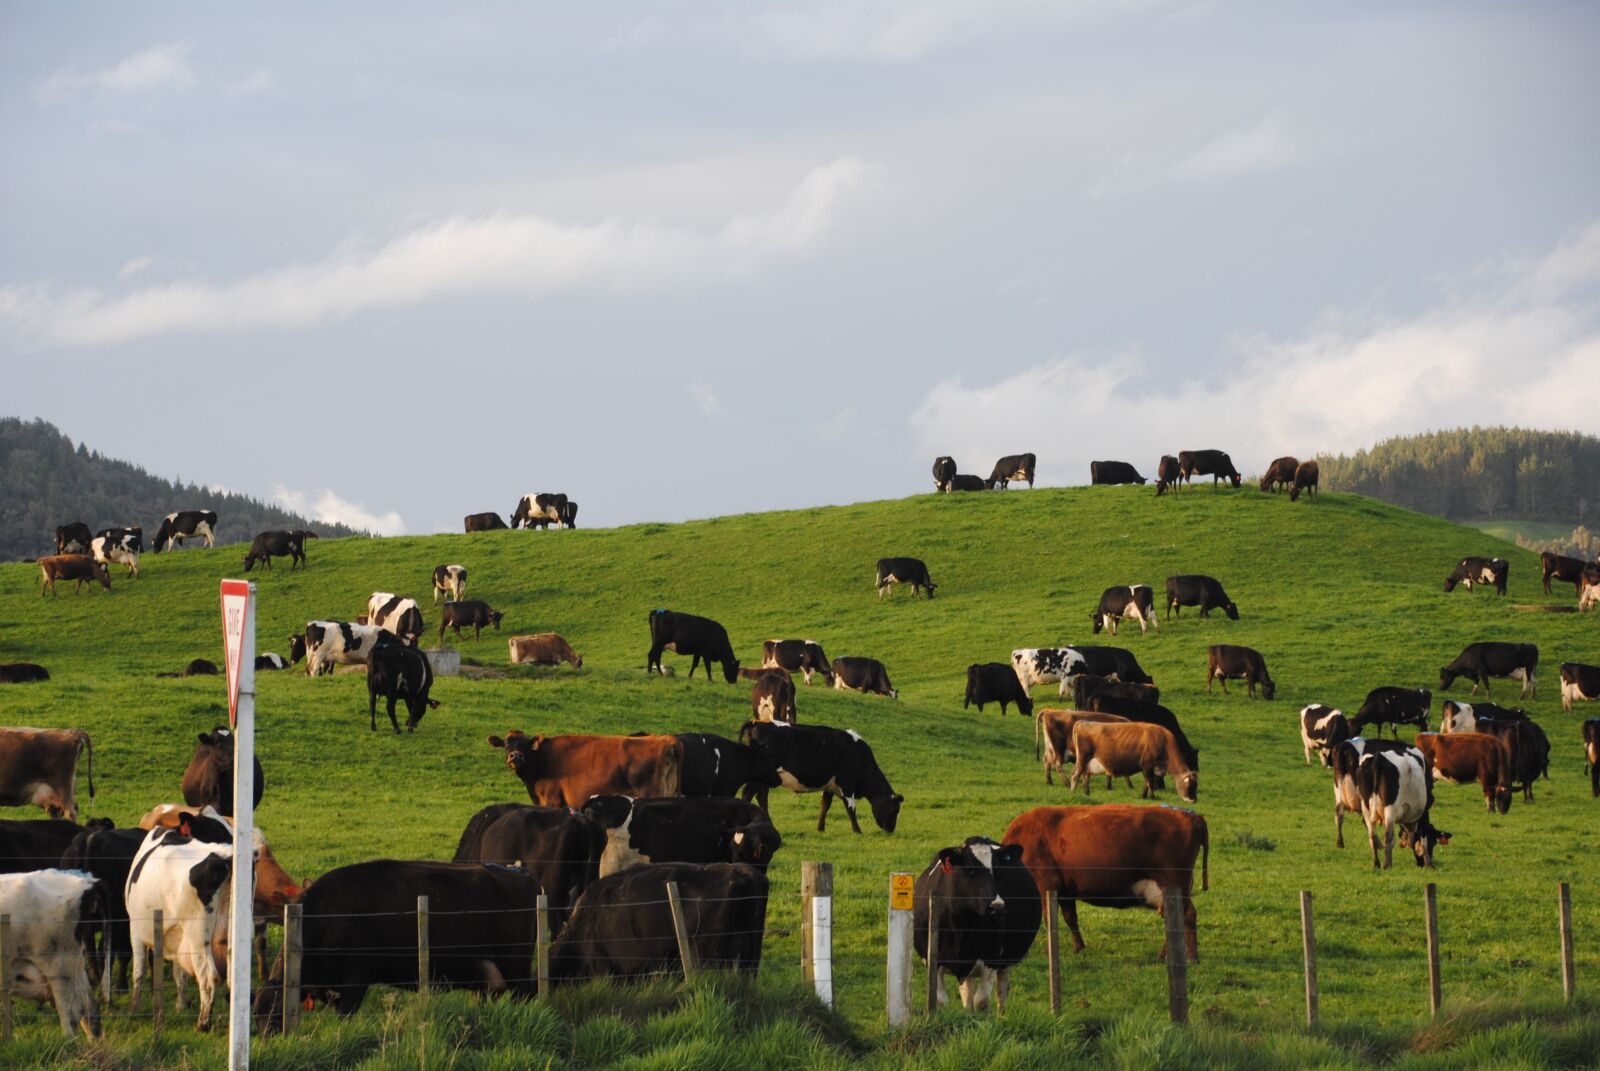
pixel 1168 474
pixel 472 612
pixel 1480 661
pixel 1563 568
pixel 1214 463
pixel 269 545
pixel 1279 474
pixel 73 538
pixel 944 471
pixel 107 854
pixel 1137 601
pixel 1085 686
pixel 186 524
pixel 704 830
pixel 966 482
pixel 903 571
pixel 482 522
pixel 716 766
pixel 1579 682
pixel 359 930
pixel 1115 662
pixel 1226 661
pixel 996 682
pixel 1393 707
pixel 1322 729
pixel 855 674
pixel 208 780
pixel 562 850
pixel 396 671
pixel 1591 753
pixel 1528 748
pixel 1196 589
pixel 34 844
pixel 699 637
pixel 1012 467
pixel 622 926
pixel 1150 714
pixel 22 673
pixel 1480 571
pixel 986 912
pixel 797 656
pixel 835 762
pixel 1113 472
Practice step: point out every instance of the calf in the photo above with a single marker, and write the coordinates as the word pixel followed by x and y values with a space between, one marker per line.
pixel 1322 729
pixel 854 674
pixel 1113 472
pixel 996 682
pixel 563 771
pixel 473 612
pixel 835 762
pixel 1214 463
pixel 188 881
pixel 1346 762
pixel 269 545
pixel 1012 467
pixel 560 848
pixel 1169 473
pixel 397 672
pixel 772 698
pixel 982 903
pixel 111 547
pixel 22 673
pixel 704 830
pixel 1306 478
pixel 1478 662
pixel 1085 686
pixel 1225 661
pixel 797 656
pixel 1395 792
pixel 1056 727
pixel 449 581
pixel 1579 682
pixel 40 767
pixel 544 649
pixel 903 571
pixel 1393 707
pixel 79 567
pixel 1198 590
pixel 1480 571
pixel 1563 568
pixel 397 614
pixel 1591 753
pixel 1136 601
pixel 1122 750
pixel 686 634
pixel 944 472
pixel 325 644
pixel 50 910
pixel 1279 474
pixel 72 538
pixel 208 780
pixel 1462 758
pixel 482 522
pixel 186 524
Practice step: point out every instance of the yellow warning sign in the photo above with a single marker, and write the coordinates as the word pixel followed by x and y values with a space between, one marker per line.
pixel 900 889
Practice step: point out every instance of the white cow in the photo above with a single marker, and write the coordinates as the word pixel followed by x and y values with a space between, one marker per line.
pixel 47 961
pixel 325 644
pixel 107 550
pixel 190 882
pixel 1395 792
pixel 396 614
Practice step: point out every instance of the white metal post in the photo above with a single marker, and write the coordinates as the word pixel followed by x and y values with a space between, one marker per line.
pixel 241 924
pixel 822 945
pixel 898 989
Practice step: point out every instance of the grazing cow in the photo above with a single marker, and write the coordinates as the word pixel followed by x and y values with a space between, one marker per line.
pixel 189 881
pixel 1478 662
pixel 716 766
pixel 1214 463
pixel 327 643
pixel 772 698
pixel 1169 473
pixel 1012 467
pixel 699 637
pixel 208 781
pixel 985 908
pixel 544 649
pixel 1563 568
pixel 944 472
pixel 996 682
pixel 835 762
pixel 1393 707
pixel 73 538
pixel 966 482
pixel 1480 571
pixel 482 522
pixel 107 854
pixel 472 612
pixel 50 911
pixel 1279 474
pixel 704 830
pixel 35 844
pixel 186 524
pixel 1113 472
pixel 107 548
pixel 855 674
pixel 1115 662
pixel 40 767
pixel 560 848
pixel 397 672
pixel 397 614
pixel 543 510
pixel 622 926
pixel 449 581
pixel 1136 601
pixel 1056 728
pixel 1346 761
pixel 1591 753
pixel 1396 792
pixel 1115 855
pixel 563 771
pixel 1464 717
pixel 1527 750
pixel 1579 682
pixel 1122 750
pixel 1085 686
pixel 22 673
pixel 270 661
pixel 1046 665
pixel 1225 661
pixel 1196 589
pixel 269 545
pixel 903 571
pixel 1306 478
pixel 797 656
pixel 1150 714
pixel 80 567
pixel 1322 729
pixel 359 929
pixel 1462 758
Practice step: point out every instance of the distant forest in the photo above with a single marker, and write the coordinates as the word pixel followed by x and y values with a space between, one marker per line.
pixel 47 481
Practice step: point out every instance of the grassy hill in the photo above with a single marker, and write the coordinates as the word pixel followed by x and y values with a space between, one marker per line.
pixel 1340 596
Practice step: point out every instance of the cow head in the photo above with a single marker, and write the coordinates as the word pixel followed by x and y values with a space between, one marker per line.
pixel 494 618
pixel 1447 677
pixel 753 844
pixel 1502 797
pixel 102 574
pixel 1423 839
pixel 1231 610
pixel 967 874
pixel 519 748
pixel 1236 479
pixel 1189 787
pixel 730 670
pixel 1450 582
pixel 297 648
pixel 1268 689
pixel 274 886
pixel 929 586
pixel 886 811
pixel 1098 619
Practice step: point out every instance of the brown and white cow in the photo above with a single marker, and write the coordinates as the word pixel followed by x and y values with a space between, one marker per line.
pixel 40 767
pixel 543 649
pixel 1056 726
pixel 1462 758
pixel 1123 750
pixel 1579 682
pixel 79 567
pixel 1561 567
pixel 772 698
pixel 564 771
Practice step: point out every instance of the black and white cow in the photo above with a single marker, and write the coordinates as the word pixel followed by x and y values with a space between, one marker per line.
pixel 1046 665
pixel 1346 762
pixel 544 509
pixel 701 638
pixel 269 661
pixel 131 536
pixel 187 874
pixel 1137 601
pixel 186 524
pixel 856 674
pixel 1394 707
pixel 1322 729
pixel 473 613
pixel 1169 473
pixel 396 614
pixel 398 672
pixel 1198 590
pixel 966 482
pixel 107 854
pixel 1579 682
pixel 325 644
pixel 49 911
pixel 1591 753
pixel 1478 662
pixel 1214 463
pixel 797 656
pixel 1464 717
pixel 835 762
pixel 903 571
pixel 716 766
pixel 269 545
pixel 1115 662
pixel 1396 791
pixel 996 682
pixel 107 548
pixel 482 522
pixel 680 830
pixel 1012 467
pixel 985 909
pixel 1085 686
pixel 1563 568
pixel 73 538
pixel 449 581
pixel 1113 472
pixel 1227 661
pixel 1479 571
pixel 944 471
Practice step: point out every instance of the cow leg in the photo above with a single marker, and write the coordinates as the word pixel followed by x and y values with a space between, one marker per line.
pixel 1149 785
pixel 181 1001
pixel 392 696
pixel 822 815
pixel 1338 825
pixel 1069 911
pixel 372 706
pixel 653 661
pixel 136 958
pixel 850 809
pixel 1210 676
pixel 694 664
pixel 1080 772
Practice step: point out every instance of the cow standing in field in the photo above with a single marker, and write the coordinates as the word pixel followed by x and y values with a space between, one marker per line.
pixel 449 581
pixel 1591 753
pixel 116 545
pixel 996 682
pixel 1279 474
pixel 1198 590
pixel 396 614
pixel 944 473
pixel 325 644
pixel 72 538
pixel 1478 662
pixel 772 697
pixel 1113 472
pixel 1169 473
pixel 208 780
pixel 1046 665
pixel 1322 729
pixel 107 855
pixel 397 672
pixel 49 911
pixel 1012 467
pixel 716 766
pixel 835 762
pixel 40 767
pixel 797 656
pixel 544 649
pixel 482 522
pixel 985 911
pixel 1214 463
pixel 1464 758
pixel 189 881
pixel 544 509
pixel 686 634
pixel 563 771
pixel 1568 570
pixel 1056 727
pixel 186 524
pixel 269 545
pixel 1346 762
pixel 1306 478
pixel 1150 714
pixel 1396 793
pixel 1527 749
pixel 79 567
pixel 1480 571
pixel 903 571
pixel 1137 601
pixel 1225 662
pixel 1579 682
pixel 1123 750
pixel 473 613
pixel 1393 707
pixel 855 674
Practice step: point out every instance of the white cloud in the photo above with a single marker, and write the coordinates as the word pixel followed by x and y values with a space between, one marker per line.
pixel 135 266
pixel 325 505
pixel 1271 144
pixel 505 253
pixel 710 405
pixel 162 67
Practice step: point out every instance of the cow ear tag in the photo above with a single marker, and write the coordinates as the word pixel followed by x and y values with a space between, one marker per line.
pixel 308 1004
pixel 944 864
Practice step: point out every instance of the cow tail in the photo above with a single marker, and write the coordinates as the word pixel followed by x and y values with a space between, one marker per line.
pixel 669 771
pixel 1036 720
pixel 1205 858
pixel 88 746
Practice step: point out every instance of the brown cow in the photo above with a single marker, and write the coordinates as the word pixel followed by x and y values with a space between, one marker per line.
pixel 1306 478
pixel 1057 728
pixel 1279 474
pixel 40 766
pixel 1114 855
pixel 1462 758
pixel 772 698
pixel 208 780
pixel 79 567
pixel 544 649
pixel 564 771
pixel 1168 472
pixel 1123 750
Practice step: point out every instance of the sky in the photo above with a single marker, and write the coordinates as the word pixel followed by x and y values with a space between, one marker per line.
pixel 396 263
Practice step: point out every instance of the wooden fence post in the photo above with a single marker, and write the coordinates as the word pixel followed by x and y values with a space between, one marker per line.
pixel 1052 947
pixel 293 944
pixel 423 985
pixel 1569 980
pixel 685 945
pixel 158 970
pixel 897 989
pixel 1308 938
pixel 1430 909
pixel 541 945
pixel 933 954
pixel 1177 956
pixel 808 877
pixel 5 977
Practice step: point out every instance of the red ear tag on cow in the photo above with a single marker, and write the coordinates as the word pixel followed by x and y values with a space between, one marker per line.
pixel 184 829
pixel 308 1004
pixel 944 864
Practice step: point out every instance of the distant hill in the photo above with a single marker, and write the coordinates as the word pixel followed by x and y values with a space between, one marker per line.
pixel 46 480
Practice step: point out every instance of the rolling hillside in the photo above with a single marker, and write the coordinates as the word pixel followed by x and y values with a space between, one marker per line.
pixel 1340 596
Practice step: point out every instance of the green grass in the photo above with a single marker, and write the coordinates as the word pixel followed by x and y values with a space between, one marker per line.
pixel 1340 596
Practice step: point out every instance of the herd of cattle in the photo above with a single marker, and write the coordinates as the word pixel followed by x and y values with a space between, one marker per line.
pixel 612 819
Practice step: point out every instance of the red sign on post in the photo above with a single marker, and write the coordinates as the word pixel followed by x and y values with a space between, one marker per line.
pixel 235 609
